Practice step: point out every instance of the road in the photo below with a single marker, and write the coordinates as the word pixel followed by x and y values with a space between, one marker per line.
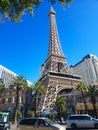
pixel 81 129
pixel 14 127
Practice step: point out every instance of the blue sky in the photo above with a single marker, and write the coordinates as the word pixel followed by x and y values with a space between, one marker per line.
pixel 24 45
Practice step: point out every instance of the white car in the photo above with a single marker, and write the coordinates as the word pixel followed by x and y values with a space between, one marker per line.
pixel 38 123
pixel 81 121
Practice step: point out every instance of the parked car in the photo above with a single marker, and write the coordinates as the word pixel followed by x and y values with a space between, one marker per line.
pixel 81 121
pixel 38 123
pixel 4 123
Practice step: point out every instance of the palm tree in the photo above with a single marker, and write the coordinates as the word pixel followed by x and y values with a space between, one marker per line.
pixel 19 84
pixel 38 88
pixel 60 104
pixel 92 92
pixel 81 87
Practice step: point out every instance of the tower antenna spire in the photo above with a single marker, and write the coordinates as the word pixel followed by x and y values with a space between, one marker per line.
pixel 54 43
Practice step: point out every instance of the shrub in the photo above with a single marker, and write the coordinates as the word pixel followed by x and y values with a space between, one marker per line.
pixel 30 113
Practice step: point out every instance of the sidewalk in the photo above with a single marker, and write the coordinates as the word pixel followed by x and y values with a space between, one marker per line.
pixel 13 126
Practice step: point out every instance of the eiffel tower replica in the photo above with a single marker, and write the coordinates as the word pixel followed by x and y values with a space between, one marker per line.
pixel 55 73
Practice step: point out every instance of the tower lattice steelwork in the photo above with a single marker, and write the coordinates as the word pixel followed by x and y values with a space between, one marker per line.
pixel 55 73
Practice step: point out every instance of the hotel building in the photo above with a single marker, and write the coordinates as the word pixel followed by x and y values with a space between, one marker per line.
pixel 87 68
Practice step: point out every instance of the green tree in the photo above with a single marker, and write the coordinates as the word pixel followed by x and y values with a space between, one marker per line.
pixel 1 87
pixel 92 92
pixel 60 104
pixel 68 111
pixel 14 9
pixel 30 113
pixel 19 115
pixel 52 115
pixel 38 88
pixel 81 87
pixel 19 84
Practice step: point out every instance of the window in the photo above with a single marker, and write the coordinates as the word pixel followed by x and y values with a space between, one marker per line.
pixel 42 123
pixel 77 118
pixel 88 118
pixel 81 117
pixel 22 122
pixel 28 122
pixel 9 100
pixel 3 101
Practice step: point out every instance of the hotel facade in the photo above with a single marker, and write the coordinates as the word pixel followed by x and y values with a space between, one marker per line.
pixel 87 68
pixel 8 96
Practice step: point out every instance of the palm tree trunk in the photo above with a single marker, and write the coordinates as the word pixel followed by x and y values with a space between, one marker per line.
pixel 85 106
pixel 60 114
pixel 15 117
pixel 36 104
pixel 17 105
pixel 93 100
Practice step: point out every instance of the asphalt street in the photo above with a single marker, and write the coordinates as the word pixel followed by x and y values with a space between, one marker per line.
pixel 14 127
pixel 81 129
